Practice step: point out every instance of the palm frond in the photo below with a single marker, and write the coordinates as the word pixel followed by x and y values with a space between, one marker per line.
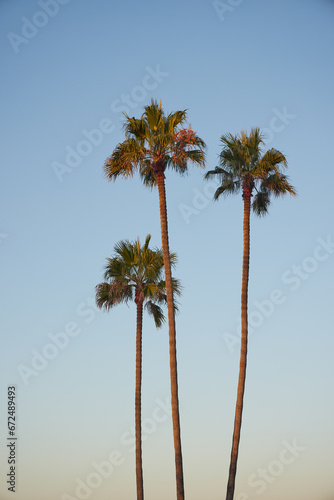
pixel 213 173
pixel 124 160
pixel 271 163
pixel 261 202
pixel 278 185
pixel 157 313
pixel 177 290
pixel 135 270
pixel 110 294
pixel 230 184
pixel 196 156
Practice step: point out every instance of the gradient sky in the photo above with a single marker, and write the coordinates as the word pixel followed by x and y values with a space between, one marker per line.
pixel 233 65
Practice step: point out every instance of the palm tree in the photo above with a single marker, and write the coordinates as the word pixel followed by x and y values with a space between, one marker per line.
pixel 243 166
pixel 152 144
pixel 136 272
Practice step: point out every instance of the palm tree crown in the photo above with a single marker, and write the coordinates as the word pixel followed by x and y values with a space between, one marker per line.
pixel 243 166
pixel 136 273
pixel 153 143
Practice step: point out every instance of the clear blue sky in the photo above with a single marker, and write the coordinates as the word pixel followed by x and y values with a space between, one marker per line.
pixel 69 69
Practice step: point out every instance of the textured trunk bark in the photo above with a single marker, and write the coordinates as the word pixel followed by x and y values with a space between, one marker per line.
pixel 160 178
pixel 139 466
pixel 243 350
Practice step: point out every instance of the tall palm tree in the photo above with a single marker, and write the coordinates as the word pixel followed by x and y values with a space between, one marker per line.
pixel 243 167
pixel 136 273
pixel 152 144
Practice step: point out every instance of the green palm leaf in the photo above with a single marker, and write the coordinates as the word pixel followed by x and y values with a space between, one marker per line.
pixel 135 272
pixel 155 141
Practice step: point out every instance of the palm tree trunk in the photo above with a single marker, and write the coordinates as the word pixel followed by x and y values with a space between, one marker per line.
pixel 139 467
pixel 243 350
pixel 160 178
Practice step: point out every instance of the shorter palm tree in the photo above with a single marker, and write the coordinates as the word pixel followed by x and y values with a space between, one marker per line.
pixel 136 273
